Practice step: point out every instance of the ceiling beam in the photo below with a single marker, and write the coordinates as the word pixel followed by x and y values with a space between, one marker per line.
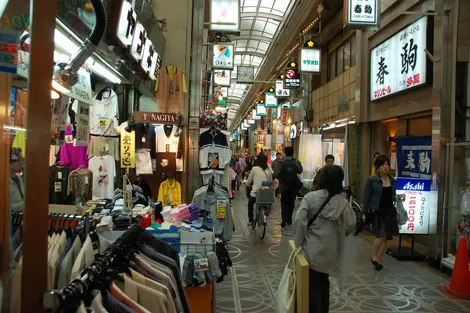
pixel 252 37
pixel 255 54
pixel 275 17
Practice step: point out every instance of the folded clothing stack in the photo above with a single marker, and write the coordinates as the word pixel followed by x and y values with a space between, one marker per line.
pixel 181 213
pixel 166 213
pixel 194 211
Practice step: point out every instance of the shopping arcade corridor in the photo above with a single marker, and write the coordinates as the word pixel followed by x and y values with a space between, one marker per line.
pixel 258 268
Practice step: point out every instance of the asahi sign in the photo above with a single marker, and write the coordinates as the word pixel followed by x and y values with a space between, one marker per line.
pixel 155 117
pixel 361 13
pixel 131 34
pixel 400 62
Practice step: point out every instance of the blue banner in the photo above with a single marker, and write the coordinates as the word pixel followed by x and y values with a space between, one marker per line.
pixel 414 156
pixel 413 184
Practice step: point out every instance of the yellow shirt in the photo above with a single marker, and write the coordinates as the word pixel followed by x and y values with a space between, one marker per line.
pixel 20 142
pixel 169 193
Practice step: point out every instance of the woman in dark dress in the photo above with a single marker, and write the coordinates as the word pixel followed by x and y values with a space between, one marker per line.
pixel 379 209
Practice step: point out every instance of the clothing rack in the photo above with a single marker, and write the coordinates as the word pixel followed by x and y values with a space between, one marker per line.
pixel 68 299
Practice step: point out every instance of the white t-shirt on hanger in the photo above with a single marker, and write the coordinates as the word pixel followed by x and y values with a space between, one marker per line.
pixel 164 143
pixel 104 172
pixel 104 114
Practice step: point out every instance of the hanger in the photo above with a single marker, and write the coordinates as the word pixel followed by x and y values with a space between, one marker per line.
pixel 210 186
pixel 99 96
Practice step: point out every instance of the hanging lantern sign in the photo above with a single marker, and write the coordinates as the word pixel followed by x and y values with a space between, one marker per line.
pixel 284 115
pixel 310 55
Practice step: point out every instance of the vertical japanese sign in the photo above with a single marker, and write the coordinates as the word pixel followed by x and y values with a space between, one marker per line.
pixel 417 198
pixel 83 123
pixel 127 149
pixel 361 13
pixel 284 115
pixel 292 76
pixel 414 155
pixel 400 62
pixel 310 57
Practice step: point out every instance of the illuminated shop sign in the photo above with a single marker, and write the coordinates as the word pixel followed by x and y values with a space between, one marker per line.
pixel 260 109
pixel 418 197
pixel 223 56
pixel 255 116
pixel 291 76
pixel 414 157
pixel 400 62
pixel 310 57
pixel 222 77
pixel 270 98
pixel 130 33
pixel 281 92
pixel 284 115
pixel 225 15
pixel 359 13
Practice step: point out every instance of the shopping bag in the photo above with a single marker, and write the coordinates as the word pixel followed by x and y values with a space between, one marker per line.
pixel 402 214
pixel 286 291
pixel 348 258
pixel 143 162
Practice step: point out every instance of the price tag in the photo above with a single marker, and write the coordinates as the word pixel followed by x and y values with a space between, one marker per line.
pixel 106 147
pixel 86 179
pixel 57 187
pixel 143 139
pixel 201 265
pixel 221 211
pixel 103 123
pixel 59 175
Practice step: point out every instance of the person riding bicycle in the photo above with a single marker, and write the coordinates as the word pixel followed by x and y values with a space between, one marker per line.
pixel 260 173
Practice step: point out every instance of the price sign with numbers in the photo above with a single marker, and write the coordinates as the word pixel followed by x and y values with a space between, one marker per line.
pixel 127 24
pixel 82 89
pixel 138 42
pixel 223 56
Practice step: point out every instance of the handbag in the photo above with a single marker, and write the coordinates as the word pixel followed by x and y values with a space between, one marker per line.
pixel 402 214
pixel 319 211
pixel 287 287
pixel 143 162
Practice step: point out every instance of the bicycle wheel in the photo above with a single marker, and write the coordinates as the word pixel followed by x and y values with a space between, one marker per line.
pixel 357 209
pixel 261 217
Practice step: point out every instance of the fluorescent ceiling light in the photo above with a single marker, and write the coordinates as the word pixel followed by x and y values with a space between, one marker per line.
pixel 67 48
pixel 59 87
pixel 15 128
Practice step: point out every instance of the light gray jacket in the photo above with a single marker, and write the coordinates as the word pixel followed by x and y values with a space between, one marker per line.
pixel 17 194
pixel 323 242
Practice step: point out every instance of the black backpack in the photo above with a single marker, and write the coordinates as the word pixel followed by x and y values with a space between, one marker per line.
pixel 288 172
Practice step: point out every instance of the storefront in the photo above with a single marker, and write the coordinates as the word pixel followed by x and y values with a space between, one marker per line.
pixel 92 143
pixel 397 96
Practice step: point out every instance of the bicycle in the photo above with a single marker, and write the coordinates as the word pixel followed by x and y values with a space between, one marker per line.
pixel 264 202
pixel 349 196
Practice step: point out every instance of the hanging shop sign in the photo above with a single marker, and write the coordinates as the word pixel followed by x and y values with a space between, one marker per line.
pixel 284 115
pixel 270 98
pixel 83 124
pixel 291 76
pixel 245 74
pixel 155 117
pixel 223 56
pixel 245 124
pixel 225 15
pixel 414 155
pixel 260 109
pixel 127 149
pixel 293 131
pixel 9 41
pixel 361 13
pixel 310 57
pixel 281 92
pixel 254 115
pixel 417 198
pixel 131 34
pixel 222 77
pixel 400 62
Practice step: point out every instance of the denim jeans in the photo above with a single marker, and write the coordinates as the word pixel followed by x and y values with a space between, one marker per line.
pixel 251 206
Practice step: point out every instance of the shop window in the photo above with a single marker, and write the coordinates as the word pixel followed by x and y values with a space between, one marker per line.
pixel 342 58
pixel 332 65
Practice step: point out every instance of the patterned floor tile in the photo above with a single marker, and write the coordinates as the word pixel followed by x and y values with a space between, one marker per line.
pixel 259 265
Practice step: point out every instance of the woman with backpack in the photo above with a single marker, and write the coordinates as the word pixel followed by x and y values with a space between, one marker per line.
pixel 322 222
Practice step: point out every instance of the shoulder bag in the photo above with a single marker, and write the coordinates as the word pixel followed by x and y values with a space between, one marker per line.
pixel 319 211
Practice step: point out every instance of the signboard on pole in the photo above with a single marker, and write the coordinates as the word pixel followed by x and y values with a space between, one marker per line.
pixel 417 198
pixel 292 76
pixel 361 13
pixel 310 57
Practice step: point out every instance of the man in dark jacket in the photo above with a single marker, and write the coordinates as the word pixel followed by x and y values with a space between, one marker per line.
pixel 329 160
pixel 289 169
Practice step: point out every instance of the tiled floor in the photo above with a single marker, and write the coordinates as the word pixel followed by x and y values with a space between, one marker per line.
pixel 258 267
